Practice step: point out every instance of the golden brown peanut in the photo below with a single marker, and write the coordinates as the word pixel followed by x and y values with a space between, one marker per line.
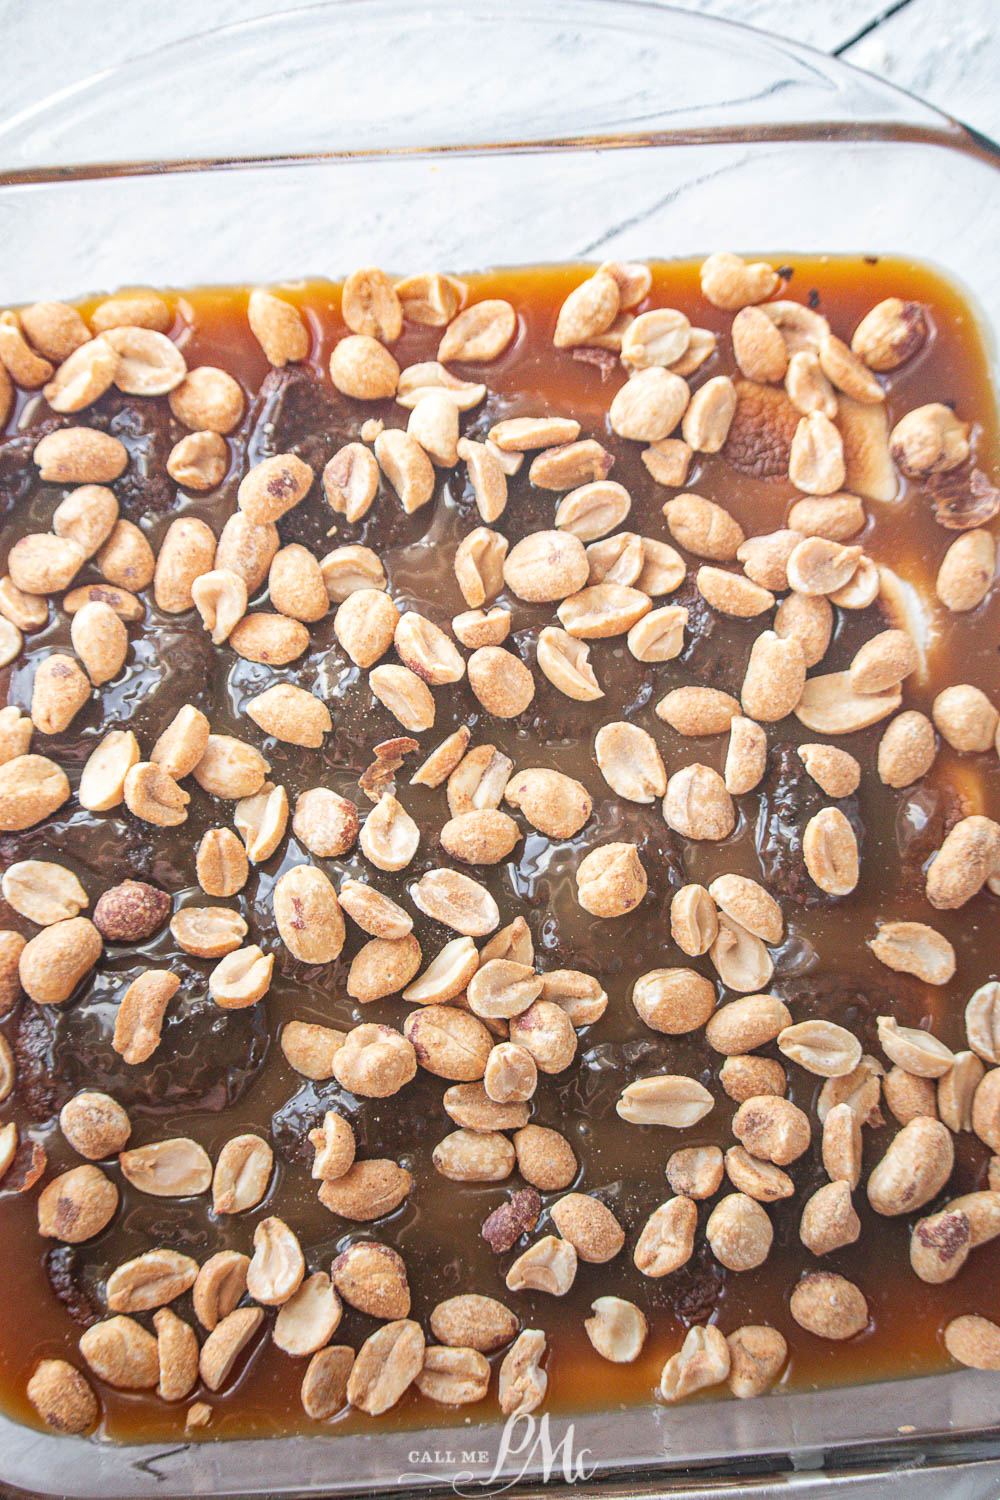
pixel 79 455
pixel 973 1341
pixel 274 487
pixel 177 1355
pixel 122 1353
pixel 914 948
pixel 963 864
pixel 100 640
pixel 174 1168
pixel 447 974
pixel 473 1321
pixel 277 1267
pixel 674 1001
pixel 821 1047
pixel 929 440
pixel 126 559
pixel 966 572
pixel 523 1383
pixel 747 1023
pixel 773 1129
pixel 218 1287
pixel 697 804
pixel 153 795
pixel 544 1158
pixel 965 717
pixel 324 1385
pixel 757 1353
pixel 149 364
pixel 610 880
pixel 150 1280
pixel 54 328
pixel 939 1245
pixel 549 1265
pixel 907 749
pixel 53 963
pixel 739 1232
pixel 474 1156
pixel 835 771
pixel 62 1397
pixel 210 402
pixel 42 891
pixel 565 661
pixel 552 802
pixel 697 711
pixel 591 1228
pixel 26 368
pixel 29 611
pixel 76 1205
pixel 94 1125
pixel 828 1305
pixel 308 916
pixel 430 298
pixel 361 367
pixel 387 1363
pixel 730 282
pixel 375 1061
pixel 278 327
pixel 775 677
pixel 916 1165
pixel 694 920
pixel 765 558
pixel 86 517
pixel 746 756
pixel 985 1108
pixel 310 1049
pixel 740 958
pixel 15 733
pixel 241 978
pixel 706 422
pixel 830 851
pixel 890 334
pixel 334 1144
pixel 829 1221
pixel 270 638
pixel 546 566
pixel 744 1076
pixel 58 692
pixel 226 1343
pixel 479 333
pixel 140 1014
pixel 448 1042
pixel 291 714
pixel 669 1099
pixel 246 549
pixel 695 1171
pixel 747 902
pixel 455 1377
pixel 136 309
pixel 704 528
pixel 588 310
pixel 758 346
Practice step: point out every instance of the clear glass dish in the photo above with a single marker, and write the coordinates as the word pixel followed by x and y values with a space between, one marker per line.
pixel 458 136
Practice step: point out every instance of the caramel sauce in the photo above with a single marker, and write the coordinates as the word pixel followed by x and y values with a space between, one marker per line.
pixel 217 1073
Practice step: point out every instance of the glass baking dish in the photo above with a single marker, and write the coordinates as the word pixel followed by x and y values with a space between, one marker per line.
pixel 455 137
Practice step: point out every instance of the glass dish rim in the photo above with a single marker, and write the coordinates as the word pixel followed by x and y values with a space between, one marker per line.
pixel 912 118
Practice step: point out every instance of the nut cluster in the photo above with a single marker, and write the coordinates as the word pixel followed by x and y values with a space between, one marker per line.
pixel 427 916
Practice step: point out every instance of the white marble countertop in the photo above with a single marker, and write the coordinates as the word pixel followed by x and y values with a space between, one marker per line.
pixel 946 51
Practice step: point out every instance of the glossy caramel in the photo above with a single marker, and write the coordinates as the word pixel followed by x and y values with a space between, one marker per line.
pixel 217 1073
